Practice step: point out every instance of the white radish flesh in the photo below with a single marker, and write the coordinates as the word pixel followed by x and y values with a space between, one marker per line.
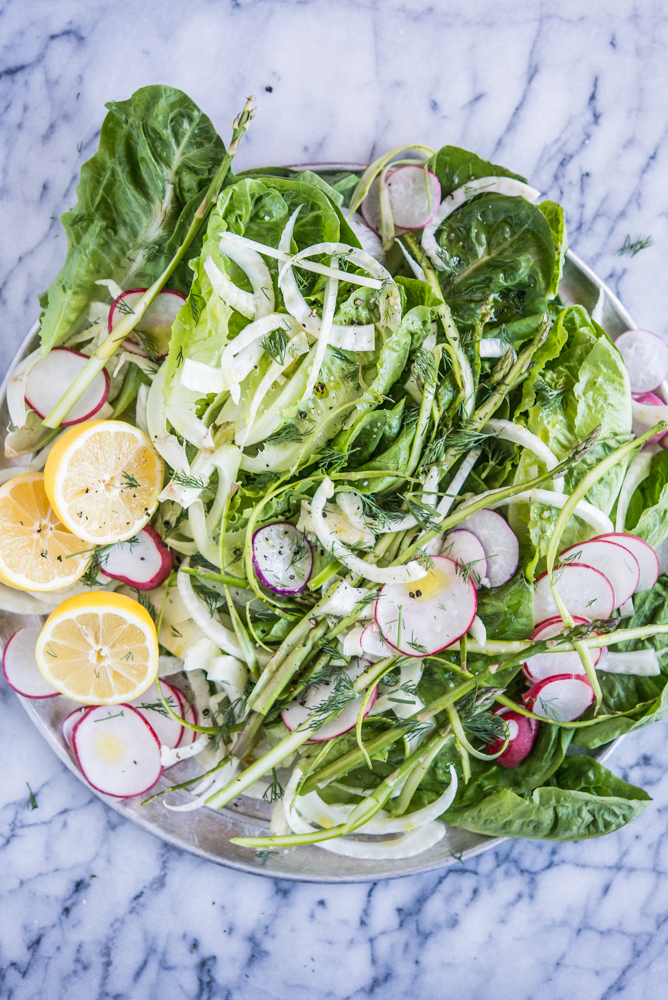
pixel 414 196
pixel 20 666
pixel 644 553
pixel 299 711
pixel 142 563
pixel 467 551
pixel 522 732
pixel 615 562
pixel 70 721
pixel 117 750
pixel 543 665
pixel 48 378
pixel 560 699
pixel 156 322
pixel 167 729
pixel 498 539
pixel 282 557
pixel 646 359
pixel 425 617
pixel 373 643
pixel 585 591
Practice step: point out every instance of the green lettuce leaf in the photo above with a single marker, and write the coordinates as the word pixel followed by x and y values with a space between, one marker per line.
pixel 455 166
pixel 554 214
pixel 136 198
pixel 647 515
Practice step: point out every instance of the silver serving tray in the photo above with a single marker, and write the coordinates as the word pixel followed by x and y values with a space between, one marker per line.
pixel 206 832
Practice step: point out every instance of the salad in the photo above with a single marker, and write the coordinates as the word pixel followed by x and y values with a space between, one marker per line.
pixel 325 490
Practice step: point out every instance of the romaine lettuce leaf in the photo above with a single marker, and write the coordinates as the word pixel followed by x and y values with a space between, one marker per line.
pixel 647 515
pixel 455 166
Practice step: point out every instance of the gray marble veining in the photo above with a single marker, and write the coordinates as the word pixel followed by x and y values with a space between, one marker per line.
pixel 571 95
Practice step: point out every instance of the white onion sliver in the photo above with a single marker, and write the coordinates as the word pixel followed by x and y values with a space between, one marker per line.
pixel 212 629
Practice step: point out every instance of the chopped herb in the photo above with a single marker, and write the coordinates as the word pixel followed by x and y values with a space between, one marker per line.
pixel 32 801
pixel 635 246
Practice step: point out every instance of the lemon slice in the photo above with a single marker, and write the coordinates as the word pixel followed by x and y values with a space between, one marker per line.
pixel 99 649
pixel 36 551
pixel 103 478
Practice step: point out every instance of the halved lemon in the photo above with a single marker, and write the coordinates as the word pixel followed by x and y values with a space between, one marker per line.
pixel 99 649
pixel 103 478
pixel 36 551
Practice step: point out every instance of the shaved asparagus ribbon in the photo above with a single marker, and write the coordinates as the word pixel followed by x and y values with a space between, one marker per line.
pixel 127 324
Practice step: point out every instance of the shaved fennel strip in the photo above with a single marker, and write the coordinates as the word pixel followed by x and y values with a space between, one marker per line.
pixel 328 308
pixel 167 445
pixel 212 629
pixel 307 265
pixel 409 573
pixel 584 510
pixel 226 459
pixel 16 385
pixel 515 433
pixel 296 347
pixel 230 293
pixel 638 470
pixel 257 272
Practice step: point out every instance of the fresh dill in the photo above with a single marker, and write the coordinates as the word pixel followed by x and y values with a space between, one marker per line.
pixel 142 598
pixel 197 304
pixel 211 598
pixel 275 790
pixel 424 369
pixel 276 344
pixel 424 559
pixel 425 516
pixel 188 482
pixel 332 460
pixel 172 527
pixel 418 648
pixel 343 693
pixel 481 723
pixel 97 561
pixel 285 434
pixel 32 801
pixel 372 509
pixel 179 357
pixel 332 651
pixel 130 482
pixel 633 247
pixel 550 396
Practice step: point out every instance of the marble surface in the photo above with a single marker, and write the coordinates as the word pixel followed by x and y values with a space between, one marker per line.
pixel 571 95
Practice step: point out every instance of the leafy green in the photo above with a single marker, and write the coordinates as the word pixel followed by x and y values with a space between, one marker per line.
pixel 136 197
pixel 454 167
pixel 417 293
pixel 499 250
pixel 394 458
pixel 554 214
pixel 647 515
pixel 507 611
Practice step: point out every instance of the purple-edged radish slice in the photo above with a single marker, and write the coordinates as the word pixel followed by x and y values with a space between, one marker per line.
pixel 20 666
pixel 615 562
pixel 522 733
pixel 498 539
pixel 646 359
pixel 156 323
pixel 467 551
pixel 646 556
pixel 422 618
pixel 649 399
pixel 298 711
pixel 70 721
pixel 282 557
pixel 117 750
pixel 543 665
pixel 560 699
pixel 585 591
pixel 142 563
pixel 167 729
pixel 51 375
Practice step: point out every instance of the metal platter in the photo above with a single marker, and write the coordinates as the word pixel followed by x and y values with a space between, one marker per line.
pixel 206 832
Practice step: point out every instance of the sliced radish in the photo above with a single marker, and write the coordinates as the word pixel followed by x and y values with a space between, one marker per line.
pixel 585 591
pixel 373 643
pixel 560 699
pixel 143 562
pixel 282 557
pixel 48 379
pixel 615 561
pixel 522 733
pixel 414 194
pixel 498 539
pixel 422 618
pixel 649 399
pixel 298 711
pixel 20 666
pixel 117 750
pixel 188 713
pixel 156 322
pixel 167 729
pixel 70 721
pixel 644 553
pixel 646 359
pixel 467 551
pixel 543 665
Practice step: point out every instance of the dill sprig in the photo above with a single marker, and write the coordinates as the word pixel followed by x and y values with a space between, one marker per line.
pixel 633 247
pixel 275 790
pixel 425 516
pixel 383 516
pixel 332 460
pixel 424 368
pixel 173 527
pixel 187 481
pixel 287 433
pixel 276 344
pixel 129 481
pixel 211 598
pixel 97 560
pixel 343 693
pixel 480 722
pixel 142 598
pixel 424 559
pixel 549 397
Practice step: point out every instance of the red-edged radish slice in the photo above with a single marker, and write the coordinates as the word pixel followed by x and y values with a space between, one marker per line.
pixel 543 665
pixel 48 379
pixel 522 733
pixel 156 322
pixel 467 551
pixel 498 539
pixel 649 399
pixel 20 666
pixel 282 557
pixel 414 194
pixel 167 729
pixel 298 711
pixel 615 561
pixel 646 556
pixel 422 618
pixel 585 591
pixel 188 713
pixel 117 750
pixel 143 562
pixel 646 359
pixel 560 699
pixel 70 721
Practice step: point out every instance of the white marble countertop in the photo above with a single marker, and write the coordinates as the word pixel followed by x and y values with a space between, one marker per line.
pixel 573 96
